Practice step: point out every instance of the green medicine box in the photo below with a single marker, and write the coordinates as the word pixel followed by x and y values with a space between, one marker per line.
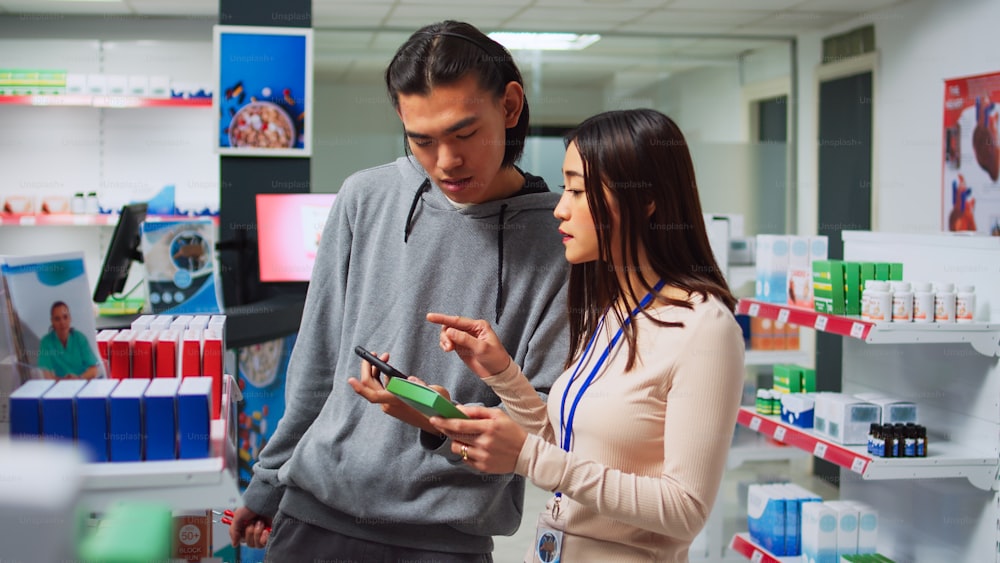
pixel 895 271
pixel 882 271
pixel 424 399
pixel 828 286
pixel 852 296
pixel 788 378
pixel 808 379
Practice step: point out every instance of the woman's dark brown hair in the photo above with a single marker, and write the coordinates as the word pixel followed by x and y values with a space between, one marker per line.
pixel 444 53
pixel 639 159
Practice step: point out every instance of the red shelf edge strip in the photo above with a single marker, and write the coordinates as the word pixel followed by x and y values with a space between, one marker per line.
pixel 794 436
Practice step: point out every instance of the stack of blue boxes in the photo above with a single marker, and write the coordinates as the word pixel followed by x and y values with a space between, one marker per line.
pixel 118 420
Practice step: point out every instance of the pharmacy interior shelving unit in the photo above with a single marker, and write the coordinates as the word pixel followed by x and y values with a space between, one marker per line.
pixel 713 544
pixel 944 507
pixel 122 148
pixel 184 485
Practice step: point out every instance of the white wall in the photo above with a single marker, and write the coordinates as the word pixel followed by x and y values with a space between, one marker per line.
pixel 920 44
pixel 706 103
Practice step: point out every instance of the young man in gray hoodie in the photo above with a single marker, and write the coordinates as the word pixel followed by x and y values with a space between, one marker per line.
pixel 455 227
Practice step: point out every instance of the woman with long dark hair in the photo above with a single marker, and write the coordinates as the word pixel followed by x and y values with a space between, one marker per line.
pixel 634 437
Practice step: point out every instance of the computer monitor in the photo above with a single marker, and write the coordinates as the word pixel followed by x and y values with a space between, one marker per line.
pixel 289 227
pixel 123 250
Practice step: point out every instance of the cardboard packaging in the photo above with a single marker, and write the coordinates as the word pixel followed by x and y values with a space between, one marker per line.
pixel 26 408
pixel 93 403
pixel 59 409
pixel 772 268
pixel 194 416
pixel 125 436
pixel 160 417
pixel 819 533
pixel 193 536
pixel 844 418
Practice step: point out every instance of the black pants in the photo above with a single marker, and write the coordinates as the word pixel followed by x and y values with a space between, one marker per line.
pixel 294 541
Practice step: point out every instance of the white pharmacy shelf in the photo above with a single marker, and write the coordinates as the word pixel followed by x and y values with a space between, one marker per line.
pixel 740 454
pixel 772 357
pixel 984 337
pixel 184 484
pixel 944 459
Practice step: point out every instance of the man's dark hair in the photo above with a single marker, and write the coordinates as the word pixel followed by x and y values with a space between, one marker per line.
pixel 443 53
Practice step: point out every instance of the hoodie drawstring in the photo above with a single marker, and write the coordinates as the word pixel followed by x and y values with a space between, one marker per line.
pixel 500 226
pixel 426 185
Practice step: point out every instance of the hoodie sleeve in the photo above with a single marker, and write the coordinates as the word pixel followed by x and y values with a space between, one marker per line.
pixel 314 358
pixel 543 359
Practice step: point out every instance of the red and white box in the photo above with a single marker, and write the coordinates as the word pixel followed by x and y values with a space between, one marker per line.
pixel 191 353
pixel 121 354
pixel 211 365
pixel 143 354
pixel 104 338
pixel 167 353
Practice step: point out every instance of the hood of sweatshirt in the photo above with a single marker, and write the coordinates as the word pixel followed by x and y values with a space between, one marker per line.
pixel 534 195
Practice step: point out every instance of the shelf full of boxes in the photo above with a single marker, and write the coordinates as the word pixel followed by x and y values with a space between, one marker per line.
pixel 198 468
pixel 899 361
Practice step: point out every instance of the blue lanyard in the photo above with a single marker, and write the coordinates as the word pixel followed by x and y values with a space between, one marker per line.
pixel 566 425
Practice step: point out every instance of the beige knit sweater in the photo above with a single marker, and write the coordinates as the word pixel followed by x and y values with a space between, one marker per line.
pixel 649 446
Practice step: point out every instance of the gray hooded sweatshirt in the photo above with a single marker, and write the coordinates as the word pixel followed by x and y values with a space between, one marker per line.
pixel 393 249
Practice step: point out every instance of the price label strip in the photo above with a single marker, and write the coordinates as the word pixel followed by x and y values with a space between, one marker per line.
pixel 857 329
pixel 820 322
pixel 754 309
pixel 820 450
pixel 858 466
pixel 755 424
pixel 779 433
pixel 757 556
pixel 783 315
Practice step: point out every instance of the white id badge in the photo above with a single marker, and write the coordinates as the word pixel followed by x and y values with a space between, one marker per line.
pixel 548 544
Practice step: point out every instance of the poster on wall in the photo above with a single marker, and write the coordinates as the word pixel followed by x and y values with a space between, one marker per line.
pixel 180 267
pixel 970 194
pixel 263 97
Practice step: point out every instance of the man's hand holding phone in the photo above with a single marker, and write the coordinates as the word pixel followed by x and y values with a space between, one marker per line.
pixel 370 386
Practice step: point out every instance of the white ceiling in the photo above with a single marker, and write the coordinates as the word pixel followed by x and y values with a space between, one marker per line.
pixel 654 38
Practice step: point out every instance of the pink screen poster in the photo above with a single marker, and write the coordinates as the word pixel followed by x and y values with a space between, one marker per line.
pixel 289 227
pixel 970 188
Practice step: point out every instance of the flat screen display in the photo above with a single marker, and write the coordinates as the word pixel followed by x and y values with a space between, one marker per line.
pixel 289 227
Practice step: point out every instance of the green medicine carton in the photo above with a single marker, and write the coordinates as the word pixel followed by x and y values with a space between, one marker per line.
pixel 424 399
pixel 895 271
pixel 852 295
pixel 828 286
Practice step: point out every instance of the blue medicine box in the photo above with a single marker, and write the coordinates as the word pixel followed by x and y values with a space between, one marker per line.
pixel 194 417
pixel 26 408
pixel 92 406
pixel 798 409
pixel 125 437
pixel 160 416
pixel 59 409
pixel 766 516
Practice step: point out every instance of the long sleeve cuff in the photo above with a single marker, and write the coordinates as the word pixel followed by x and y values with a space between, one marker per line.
pixel 262 497
pixel 505 377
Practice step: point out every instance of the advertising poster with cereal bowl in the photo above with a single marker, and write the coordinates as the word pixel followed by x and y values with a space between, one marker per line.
pixel 180 267
pixel 971 172
pixel 264 91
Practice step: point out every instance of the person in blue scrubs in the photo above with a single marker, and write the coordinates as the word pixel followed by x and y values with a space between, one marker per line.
pixel 64 352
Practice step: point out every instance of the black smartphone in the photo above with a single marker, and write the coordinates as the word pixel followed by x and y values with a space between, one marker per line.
pixel 379 364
